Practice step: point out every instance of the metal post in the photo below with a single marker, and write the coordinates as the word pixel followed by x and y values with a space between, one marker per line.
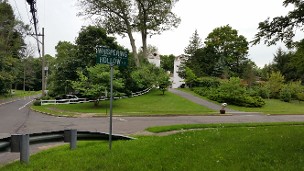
pixel 111 108
pixel 15 142
pixel 25 149
pixel 71 137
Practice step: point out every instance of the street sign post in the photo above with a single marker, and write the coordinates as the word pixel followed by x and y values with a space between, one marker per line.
pixel 105 55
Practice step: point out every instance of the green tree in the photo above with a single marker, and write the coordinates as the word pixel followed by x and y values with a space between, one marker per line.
pixel 190 77
pixel 126 16
pixel 11 45
pixel 297 62
pixel 275 83
pixel 163 81
pixel 204 62
pixel 89 37
pixel 96 81
pixel 195 43
pixel 167 62
pixel 231 49
pixel 65 68
pixel 281 28
pixel 154 17
pixel 282 62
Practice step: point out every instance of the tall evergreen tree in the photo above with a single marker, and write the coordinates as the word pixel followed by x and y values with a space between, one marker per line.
pixel 11 45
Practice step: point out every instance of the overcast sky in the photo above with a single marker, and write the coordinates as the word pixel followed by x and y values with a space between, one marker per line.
pixel 59 19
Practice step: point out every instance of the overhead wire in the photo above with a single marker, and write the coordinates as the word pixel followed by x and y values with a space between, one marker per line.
pixel 33 10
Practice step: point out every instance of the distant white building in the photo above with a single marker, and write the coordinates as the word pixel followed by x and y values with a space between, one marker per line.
pixel 154 58
pixel 177 81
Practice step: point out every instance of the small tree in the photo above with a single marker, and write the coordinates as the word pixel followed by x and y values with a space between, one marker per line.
pixel 163 81
pixel 275 83
pixel 97 81
pixel 190 77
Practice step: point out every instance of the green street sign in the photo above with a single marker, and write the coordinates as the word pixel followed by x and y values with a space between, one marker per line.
pixel 105 55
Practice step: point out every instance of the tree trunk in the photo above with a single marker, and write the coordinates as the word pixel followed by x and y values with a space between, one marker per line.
pixel 144 42
pixel 134 50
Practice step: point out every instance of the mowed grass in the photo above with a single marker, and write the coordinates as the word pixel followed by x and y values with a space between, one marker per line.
pixel 20 93
pixel 153 103
pixel 272 106
pixel 275 106
pixel 239 148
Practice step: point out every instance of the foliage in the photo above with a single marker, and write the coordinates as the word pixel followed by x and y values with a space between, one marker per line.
pixel 167 62
pixel 295 88
pixel 232 92
pixel 195 43
pixel 126 17
pixel 224 54
pixel 190 77
pixel 209 82
pixel 297 62
pixel 204 62
pixel 88 39
pixel 262 90
pixel 230 48
pixel 281 28
pixel 11 46
pixel 275 84
pixel 300 96
pixel 97 81
pixel 37 103
pixel 285 94
pixel 163 81
pixel 73 57
pixel 65 68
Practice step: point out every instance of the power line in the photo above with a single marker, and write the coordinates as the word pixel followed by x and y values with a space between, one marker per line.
pixel 16 7
pixel 25 3
pixel 33 10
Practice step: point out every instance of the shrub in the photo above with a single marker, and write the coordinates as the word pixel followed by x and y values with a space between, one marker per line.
pixel 202 91
pixel 208 82
pixel 263 91
pixel 300 96
pixel 295 88
pixel 233 92
pixel 285 94
pixel 37 103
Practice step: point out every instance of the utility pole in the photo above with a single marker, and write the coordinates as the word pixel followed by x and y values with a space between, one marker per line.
pixel 43 68
pixel 43 65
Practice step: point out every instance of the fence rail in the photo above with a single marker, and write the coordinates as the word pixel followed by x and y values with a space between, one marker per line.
pixel 84 100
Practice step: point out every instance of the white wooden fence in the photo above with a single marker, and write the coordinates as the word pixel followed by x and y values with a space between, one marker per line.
pixel 84 100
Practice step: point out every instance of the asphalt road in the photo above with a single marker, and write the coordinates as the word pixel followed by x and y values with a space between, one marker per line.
pixel 16 117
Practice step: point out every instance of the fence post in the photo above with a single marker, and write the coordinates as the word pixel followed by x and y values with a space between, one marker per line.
pixel 71 137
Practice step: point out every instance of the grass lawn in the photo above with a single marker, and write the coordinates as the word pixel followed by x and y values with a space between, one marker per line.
pixel 153 103
pixel 272 106
pixel 20 93
pixel 278 147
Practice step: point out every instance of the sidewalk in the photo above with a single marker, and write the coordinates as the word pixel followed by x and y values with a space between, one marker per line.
pixel 201 101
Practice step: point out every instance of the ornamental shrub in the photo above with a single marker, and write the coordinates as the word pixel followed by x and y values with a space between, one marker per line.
pixel 285 94
pixel 208 82
pixel 37 103
pixel 233 92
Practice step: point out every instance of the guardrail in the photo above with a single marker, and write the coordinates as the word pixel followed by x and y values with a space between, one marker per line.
pixel 20 143
pixel 84 100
